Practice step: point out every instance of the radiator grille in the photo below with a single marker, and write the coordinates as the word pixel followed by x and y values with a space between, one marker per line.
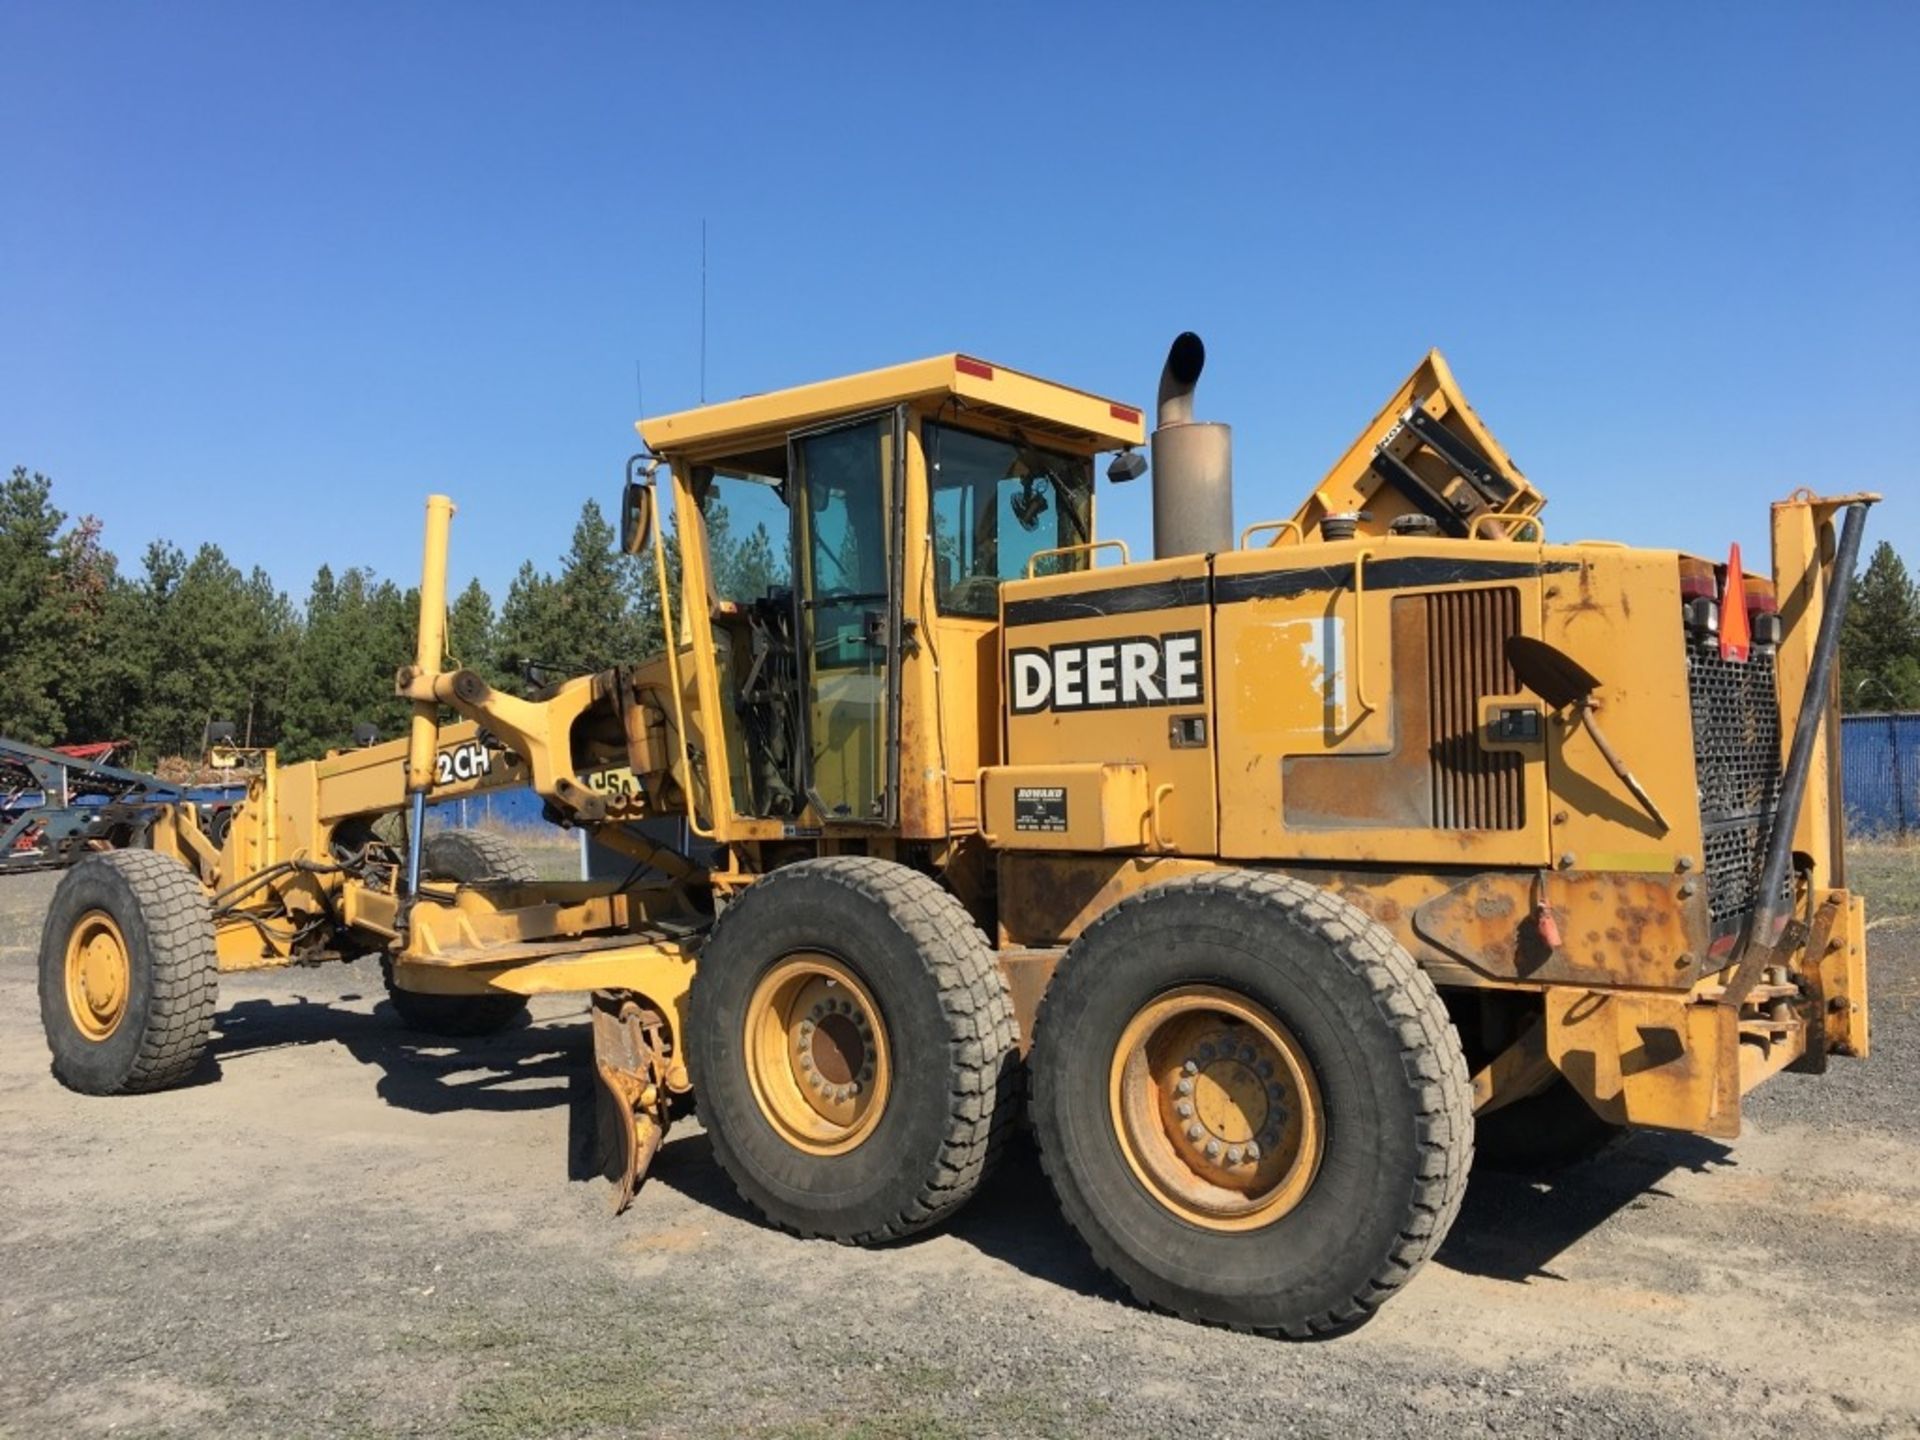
pixel 1736 758
pixel 1467 633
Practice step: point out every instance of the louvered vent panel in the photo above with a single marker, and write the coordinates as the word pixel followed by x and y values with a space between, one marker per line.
pixel 1467 634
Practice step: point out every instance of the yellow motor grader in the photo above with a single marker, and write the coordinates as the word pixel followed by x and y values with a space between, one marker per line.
pixel 1265 873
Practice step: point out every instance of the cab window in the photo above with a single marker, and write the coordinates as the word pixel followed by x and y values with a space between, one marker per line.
pixel 996 505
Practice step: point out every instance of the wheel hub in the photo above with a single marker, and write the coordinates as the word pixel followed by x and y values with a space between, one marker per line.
pixel 98 975
pixel 1227 1107
pixel 1216 1108
pixel 817 1053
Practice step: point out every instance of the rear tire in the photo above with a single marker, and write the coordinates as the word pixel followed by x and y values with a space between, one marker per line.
pixel 889 1128
pixel 1308 1030
pixel 128 976
pixel 467 857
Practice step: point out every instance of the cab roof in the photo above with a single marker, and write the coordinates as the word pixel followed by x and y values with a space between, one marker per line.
pixel 1066 416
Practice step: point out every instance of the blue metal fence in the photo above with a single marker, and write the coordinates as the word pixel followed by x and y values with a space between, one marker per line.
pixel 1880 773
pixel 501 807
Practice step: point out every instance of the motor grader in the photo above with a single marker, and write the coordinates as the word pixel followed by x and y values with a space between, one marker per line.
pixel 1262 873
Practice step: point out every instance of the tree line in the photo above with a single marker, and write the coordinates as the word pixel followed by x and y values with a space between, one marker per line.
pixel 89 651
pixel 153 653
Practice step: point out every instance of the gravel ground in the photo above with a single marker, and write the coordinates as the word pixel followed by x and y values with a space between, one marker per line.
pixel 341 1231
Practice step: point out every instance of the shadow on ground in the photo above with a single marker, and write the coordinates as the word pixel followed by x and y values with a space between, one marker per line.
pixel 1510 1227
pixel 1513 1226
pixel 526 1067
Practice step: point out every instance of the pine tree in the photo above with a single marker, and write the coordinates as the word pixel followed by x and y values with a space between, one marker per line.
pixel 531 633
pixel 472 634
pixel 211 642
pixel 1880 641
pixel 35 617
pixel 594 599
pixel 359 631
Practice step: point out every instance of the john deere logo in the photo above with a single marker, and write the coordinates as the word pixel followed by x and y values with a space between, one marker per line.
pixel 1108 674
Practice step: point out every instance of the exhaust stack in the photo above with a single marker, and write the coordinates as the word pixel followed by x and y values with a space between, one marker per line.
pixel 1192 463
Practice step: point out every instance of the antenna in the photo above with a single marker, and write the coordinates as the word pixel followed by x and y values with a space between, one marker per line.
pixel 703 309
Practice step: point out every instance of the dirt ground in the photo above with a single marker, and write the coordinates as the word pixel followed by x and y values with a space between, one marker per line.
pixel 342 1231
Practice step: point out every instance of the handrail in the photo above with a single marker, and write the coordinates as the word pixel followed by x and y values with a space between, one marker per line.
pixel 1360 633
pixel 671 637
pixel 1126 556
pixel 1259 525
pixel 1155 831
pixel 1539 530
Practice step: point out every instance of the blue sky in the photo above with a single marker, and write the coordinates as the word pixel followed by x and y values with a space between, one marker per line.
pixel 270 273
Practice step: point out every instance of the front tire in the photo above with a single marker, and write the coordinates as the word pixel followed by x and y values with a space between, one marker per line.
pixel 128 976
pixel 1251 1103
pixel 852 1049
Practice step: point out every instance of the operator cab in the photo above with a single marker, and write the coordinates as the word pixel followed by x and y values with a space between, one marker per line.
pixel 847 528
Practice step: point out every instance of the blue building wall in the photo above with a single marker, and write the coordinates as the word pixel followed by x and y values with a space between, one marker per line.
pixel 1880 773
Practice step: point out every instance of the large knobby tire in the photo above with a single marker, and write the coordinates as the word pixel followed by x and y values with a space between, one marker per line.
pixel 866 986
pixel 466 857
pixel 128 974
pixel 1542 1133
pixel 1310 1030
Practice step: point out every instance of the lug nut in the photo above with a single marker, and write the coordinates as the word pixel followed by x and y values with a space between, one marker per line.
pixel 806 1062
pixel 1195 1131
pixel 1251 1151
pixel 1264 1069
pixel 1185 1087
pixel 1192 1067
pixel 1213 1149
pixel 1234 1152
pixel 1246 1054
pixel 1184 1109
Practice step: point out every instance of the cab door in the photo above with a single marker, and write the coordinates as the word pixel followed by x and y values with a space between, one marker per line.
pixel 847 486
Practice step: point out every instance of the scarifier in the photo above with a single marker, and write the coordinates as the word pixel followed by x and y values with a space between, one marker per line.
pixel 1283 864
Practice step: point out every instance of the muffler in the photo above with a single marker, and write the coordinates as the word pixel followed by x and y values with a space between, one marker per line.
pixel 1192 463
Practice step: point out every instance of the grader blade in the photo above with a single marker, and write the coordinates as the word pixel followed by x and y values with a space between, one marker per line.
pixel 629 1066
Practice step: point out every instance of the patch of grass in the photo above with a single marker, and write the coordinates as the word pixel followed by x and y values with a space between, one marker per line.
pixel 562 1392
pixel 1888 874
pixel 928 1402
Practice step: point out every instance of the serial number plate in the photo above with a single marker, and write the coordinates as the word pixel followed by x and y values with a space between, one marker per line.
pixel 1040 808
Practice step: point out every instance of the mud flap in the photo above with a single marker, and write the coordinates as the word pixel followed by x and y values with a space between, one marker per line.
pixel 630 1066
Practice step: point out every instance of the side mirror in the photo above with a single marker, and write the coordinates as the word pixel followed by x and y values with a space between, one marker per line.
pixel 636 517
pixel 1125 466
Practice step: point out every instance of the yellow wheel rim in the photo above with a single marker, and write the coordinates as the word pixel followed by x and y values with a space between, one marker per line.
pixel 817 1058
pixel 98 975
pixel 1216 1108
